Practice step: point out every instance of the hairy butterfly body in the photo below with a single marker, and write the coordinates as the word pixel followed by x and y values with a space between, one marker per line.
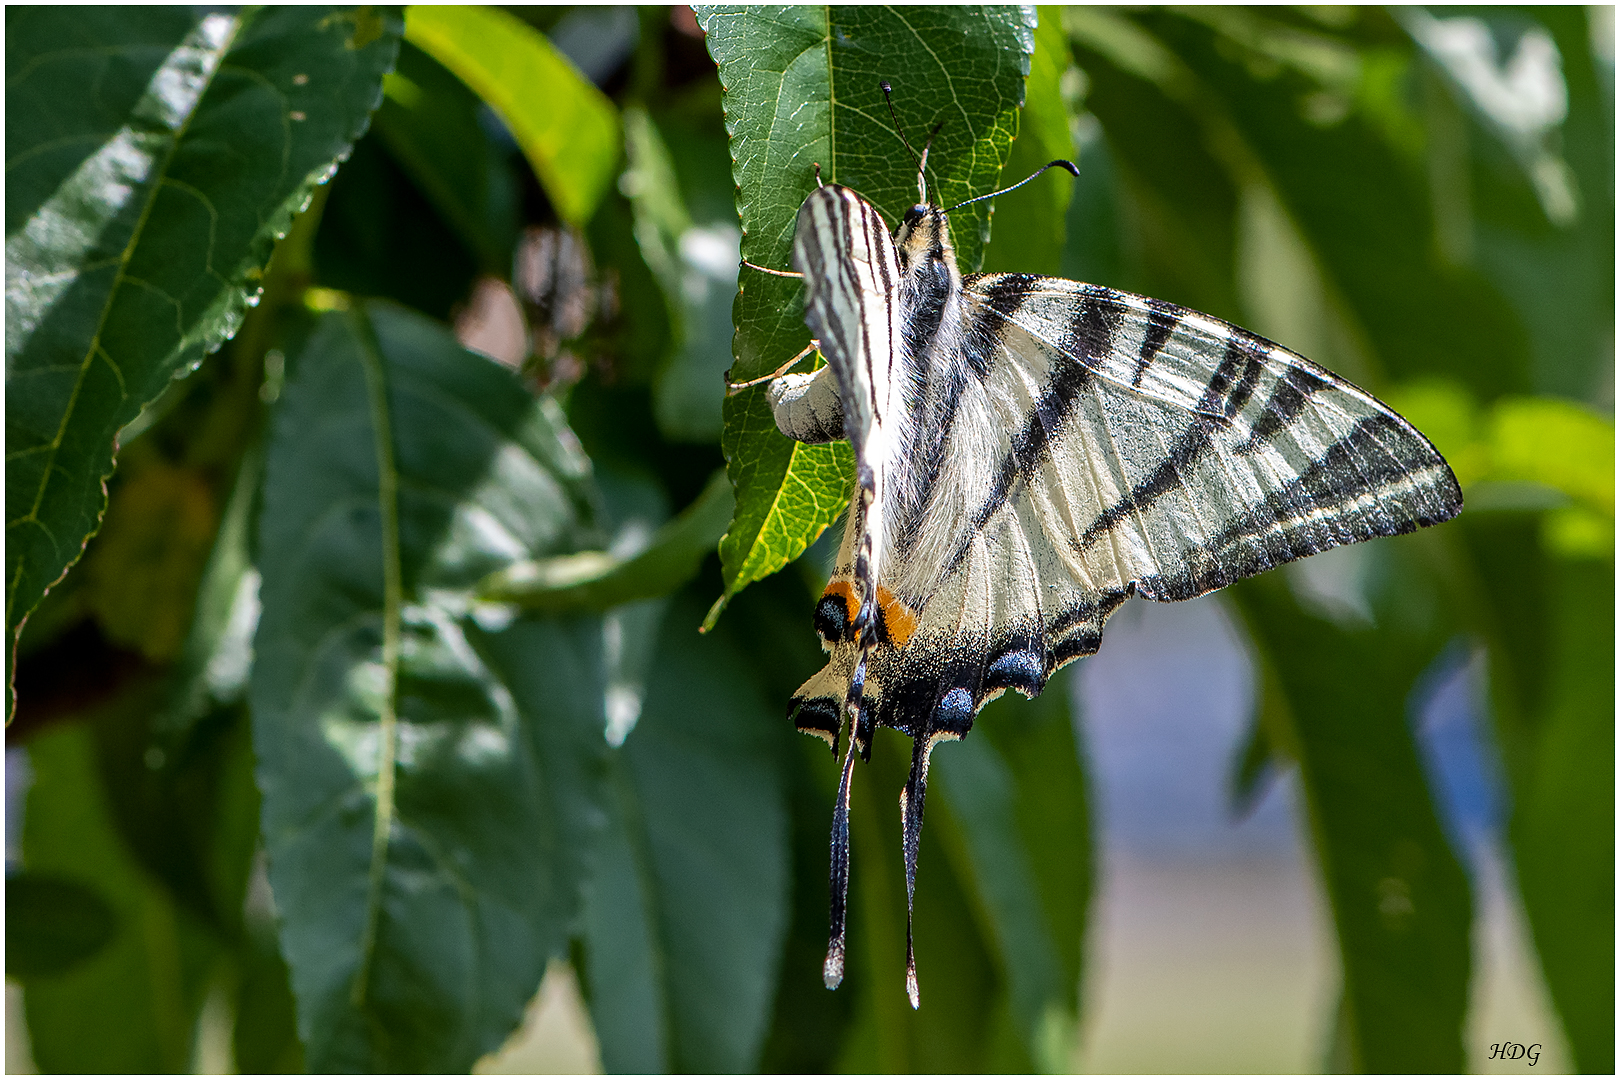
pixel 1030 452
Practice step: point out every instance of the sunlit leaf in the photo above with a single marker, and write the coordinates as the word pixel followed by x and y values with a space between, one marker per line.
pixel 566 128
pixel 600 579
pixel 139 220
pixel 801 90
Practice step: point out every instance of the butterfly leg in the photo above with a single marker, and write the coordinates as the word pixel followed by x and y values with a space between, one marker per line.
pixel 737 388
pixel 911 812
pixel 773 273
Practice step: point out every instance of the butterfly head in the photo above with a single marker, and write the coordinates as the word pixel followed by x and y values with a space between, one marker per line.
pixel 923 245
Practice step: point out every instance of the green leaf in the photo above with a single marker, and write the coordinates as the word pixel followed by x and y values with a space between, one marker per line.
pixel 1558 278
pixel 696 265
pixel 1017 792
pixel 1548 624
pixel 52 925
pixel 601 579
pixel 801 89
pixel 430 769
pixel 1563 821
pixel 787 493
pixel 566 128
pixel 1029 225
pixel 1399 898
pixel 139 220
pixel 428 119
pixel 265 1036
pixel 687 910
pixel 1555 443
pixel 141 992
pixel 1364 209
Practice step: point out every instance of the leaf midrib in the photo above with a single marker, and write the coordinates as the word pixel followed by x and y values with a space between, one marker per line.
pixel 371 362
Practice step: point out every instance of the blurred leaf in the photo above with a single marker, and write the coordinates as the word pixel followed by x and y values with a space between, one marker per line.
pixel 1400 900
pixel 131 255
pixel 429 789
pixel 1029 224
pixel 213 665
pixel 150 556
pixel 563 124
pixel 1173 191
pixel 642 334
pixel 429 120
pixel 1563 821
pixel 1018 795
pixel 1555 443
pixel 1557 277
pixel 696 263
pixel 265 1036
pixel 1363 210
pixel 1264 749
pixel 1536 440
pixel 601 579
pixel 140 993
pixel 361 249
pixel 684 926
pixel 827 62
pixel 52 925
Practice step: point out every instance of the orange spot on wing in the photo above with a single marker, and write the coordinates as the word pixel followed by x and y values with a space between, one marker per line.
pixel 844 589
pixel 898 619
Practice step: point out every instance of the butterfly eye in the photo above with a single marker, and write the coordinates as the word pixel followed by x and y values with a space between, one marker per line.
pixel 915 214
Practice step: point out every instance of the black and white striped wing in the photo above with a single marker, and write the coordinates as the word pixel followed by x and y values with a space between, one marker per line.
pixel 844 251
pixel 852 305
pixel 1170 453
pixel 1102 445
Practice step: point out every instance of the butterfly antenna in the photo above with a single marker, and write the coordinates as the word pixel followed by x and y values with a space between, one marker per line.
pixel 1063 162
pixel 922 158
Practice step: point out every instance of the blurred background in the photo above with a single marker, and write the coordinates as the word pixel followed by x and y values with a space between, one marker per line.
pixel 1420 200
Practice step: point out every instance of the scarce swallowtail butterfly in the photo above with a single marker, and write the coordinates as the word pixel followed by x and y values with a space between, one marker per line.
pixel 1029 453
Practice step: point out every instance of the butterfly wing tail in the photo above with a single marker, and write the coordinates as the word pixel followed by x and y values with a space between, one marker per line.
pixel 832 971
pixel 911 812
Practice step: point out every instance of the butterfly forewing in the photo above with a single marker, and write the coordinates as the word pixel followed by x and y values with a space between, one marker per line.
pixel 844 251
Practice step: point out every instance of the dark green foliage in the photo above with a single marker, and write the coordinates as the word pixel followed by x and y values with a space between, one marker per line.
pixel 137 255
pixel 381 687
pixel 52 925
pixel 463 866
pixel 684 923
pixel 1400 900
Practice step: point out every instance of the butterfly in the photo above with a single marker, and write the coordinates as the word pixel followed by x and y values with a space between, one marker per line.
pixel 1029 453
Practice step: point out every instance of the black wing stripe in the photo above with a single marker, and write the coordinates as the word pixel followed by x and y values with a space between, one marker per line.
pixel 1163 317
pixel 1091 334
pixel 1288 400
